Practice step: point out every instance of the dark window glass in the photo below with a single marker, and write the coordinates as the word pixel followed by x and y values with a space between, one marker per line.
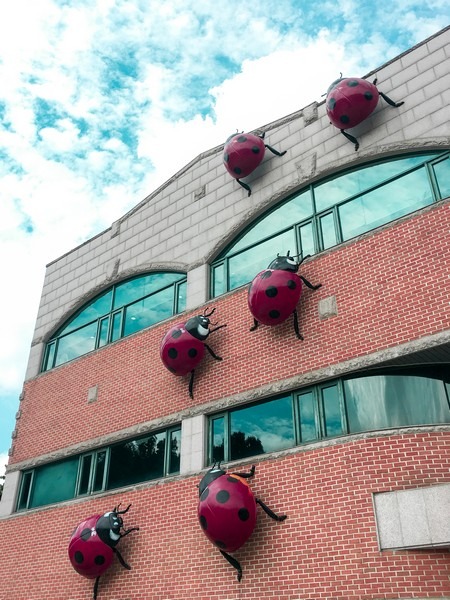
pixel 384 401
pixel 442 173
pixel 307 417
pixel 54 483
pixel 25 488
pixel 331 406
pixel 261 428
pixel 49 356
pixel 218 439
pixel 175 451
pixel 85 474
pixel 99 475
pixel 138 460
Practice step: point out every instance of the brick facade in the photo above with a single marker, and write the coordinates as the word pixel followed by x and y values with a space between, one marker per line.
pixel 390 293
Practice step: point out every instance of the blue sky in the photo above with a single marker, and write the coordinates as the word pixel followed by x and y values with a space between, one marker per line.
pixel 101 101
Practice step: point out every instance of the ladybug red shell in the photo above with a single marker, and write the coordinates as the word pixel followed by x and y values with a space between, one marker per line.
pixel 350 100
pixel 274 293
pixel 243 152
pixel 89 555
pixel 183 346
pixel 227 511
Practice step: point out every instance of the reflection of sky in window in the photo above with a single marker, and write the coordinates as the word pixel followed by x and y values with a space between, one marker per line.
pixel 148 311
pixel 132 290
pixel 243 267
pixel 306 409
pixel 336 190
pixel 76 344
pixel 442 172
pixel 332 411
pixel 93 311
pixel 295 210
pixel 385 204
pixel 270 422
pixel 391 401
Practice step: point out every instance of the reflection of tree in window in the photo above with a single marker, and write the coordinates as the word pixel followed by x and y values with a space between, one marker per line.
pixel 243 446
pixel 137 461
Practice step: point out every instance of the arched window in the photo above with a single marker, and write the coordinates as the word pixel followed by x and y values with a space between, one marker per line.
pixel 332 211
pixel 125 308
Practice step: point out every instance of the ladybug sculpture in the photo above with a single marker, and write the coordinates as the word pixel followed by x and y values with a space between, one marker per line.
pixel 350 101
pixel 227 511
pixel 274 293
pixel 93 544
pixel 243 152
pixel 183 346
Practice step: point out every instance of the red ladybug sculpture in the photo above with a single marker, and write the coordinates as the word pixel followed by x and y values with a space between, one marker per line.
pixel 227 511
pixel 183 346
pixel 350 101
pixel 243 152
pixel 274 293
pixel 93 544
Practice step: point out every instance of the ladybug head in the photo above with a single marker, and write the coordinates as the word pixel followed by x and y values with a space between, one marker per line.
pixel 334 84
pixel 285 263
pixel 199 326
pixel 215 472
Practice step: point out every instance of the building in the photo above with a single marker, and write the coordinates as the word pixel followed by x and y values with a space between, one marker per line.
pixel 349 429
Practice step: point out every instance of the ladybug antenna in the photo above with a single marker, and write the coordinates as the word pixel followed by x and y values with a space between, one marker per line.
pixel 208 314
pixel 288 252
pixel 122 512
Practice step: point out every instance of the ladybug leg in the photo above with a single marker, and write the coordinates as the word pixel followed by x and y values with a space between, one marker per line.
pixel 275 151
pixel 234 563
pixel 96 588
pixel 269 512
pixel 191 383
pixel 255 325
pixel 245 186
pixel 121 560
pixel 216 328
pixel 351 138
pixel 129 531
pixel 309 284
pixel 247 475
pixel 210 350
pixel 389 100
pixel 296 329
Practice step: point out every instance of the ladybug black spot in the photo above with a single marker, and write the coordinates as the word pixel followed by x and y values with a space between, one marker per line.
pixel 331 103
pixel 85 534
pixel 172 353
pixel 291 284
pixel 352 83
pixel 192 352
pixel 266 274
pixel 205 494
pixel 344 119
pixel 99 559
pixel 255 150
pixel 243 514
pixel 274 314
pixel 368 95
pixel 220 544
pixel 242 139
pixel 78 556
pixel 271 291
pixel 176 334
pixel 203 522
pixel 226 157
pixel 222 496
pixel 237 170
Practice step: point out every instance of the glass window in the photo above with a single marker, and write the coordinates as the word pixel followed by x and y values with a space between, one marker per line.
pixel 25 487
pixel 261 428
pixel 331 406
pixel 218 439
pixel 143 300
pixel 175 451
pixel 308 418
pixel 332 211
pixel 54 483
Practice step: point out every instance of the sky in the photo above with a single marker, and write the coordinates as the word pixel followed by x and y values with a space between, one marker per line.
pixel 102 101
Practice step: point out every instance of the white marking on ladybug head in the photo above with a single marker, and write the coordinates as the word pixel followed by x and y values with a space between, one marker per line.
pixel 114 536
pixel 202 331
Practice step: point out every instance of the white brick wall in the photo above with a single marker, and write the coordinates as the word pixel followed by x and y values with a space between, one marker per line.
pixel 186 222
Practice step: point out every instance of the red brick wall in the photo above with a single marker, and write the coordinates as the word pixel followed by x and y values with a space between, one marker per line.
pixel 391 287
pixel 326 549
